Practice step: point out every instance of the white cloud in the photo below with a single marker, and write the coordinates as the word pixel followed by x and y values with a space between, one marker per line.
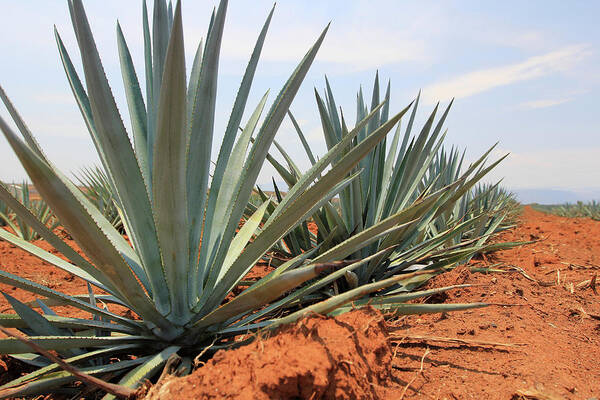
pixel 543 103
pixel 352 49
pixel 552 100
pixel 475 82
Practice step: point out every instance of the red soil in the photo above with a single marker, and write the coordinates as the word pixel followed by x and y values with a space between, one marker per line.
pixel 553 324
pixel 556 322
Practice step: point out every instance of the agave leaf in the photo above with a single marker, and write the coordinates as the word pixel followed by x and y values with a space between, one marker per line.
pixel 289 161
pixel 46 383
pixel 366 237
pixel 417 176
pixel 148 68
pixel 410 309
pixel 407 169
pixel 258 154
pixel 387 173
pixel 169 180
pixel 468 184
pixel 425 155
pixel 135 101
pixel 326 306
pixel 332 108
pixel 122 165
pixel 213 225
pixel 14 321
pixel 320 166
pixel 400 160
pixel 83 101
pixel 307 290
pixel 136 376
pixel 38 324
pixel 46 310
pixel 255 297
pixel 402 217
pixel 194 82
pixel 14 346
pixel 287 176
pixel 293 214
pixel 105 298
pixel 54 367
pixel 330 136
pixel 160 42
pixel 244 235
pixel 390 297
pixel 170 15
pixel 231 277
pixel 309 153
pixel 201 134
pixel 222 166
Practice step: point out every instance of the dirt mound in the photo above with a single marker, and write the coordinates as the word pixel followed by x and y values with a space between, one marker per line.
pixel 347 357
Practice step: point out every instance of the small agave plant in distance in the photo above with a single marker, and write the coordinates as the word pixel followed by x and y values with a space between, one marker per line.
pixel 187 253
pixel 18 197
pixel 97 188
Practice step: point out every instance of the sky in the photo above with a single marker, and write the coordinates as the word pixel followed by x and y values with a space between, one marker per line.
pixel 524 74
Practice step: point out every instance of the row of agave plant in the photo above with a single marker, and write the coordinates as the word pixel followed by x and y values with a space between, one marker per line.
pixel 573 210
pixel 187 254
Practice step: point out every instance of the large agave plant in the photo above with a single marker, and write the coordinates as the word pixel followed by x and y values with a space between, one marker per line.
pixel 407 182
pixel 186 253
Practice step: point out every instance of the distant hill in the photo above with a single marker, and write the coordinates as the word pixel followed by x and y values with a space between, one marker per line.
pixel 556 196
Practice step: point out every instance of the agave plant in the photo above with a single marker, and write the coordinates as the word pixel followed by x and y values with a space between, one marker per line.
pixel 578 210
pixel 97 188
pixel 390 183
pixel 186 253
pixel 4 212
pixel 21 199
pixel 488 206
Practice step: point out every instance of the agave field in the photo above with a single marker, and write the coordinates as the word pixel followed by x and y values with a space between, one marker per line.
pixel 577 210
pixel 180 255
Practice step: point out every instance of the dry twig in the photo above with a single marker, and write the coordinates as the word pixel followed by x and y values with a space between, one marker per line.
pixel 416 375
pixel 535 394
pixel 456 340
